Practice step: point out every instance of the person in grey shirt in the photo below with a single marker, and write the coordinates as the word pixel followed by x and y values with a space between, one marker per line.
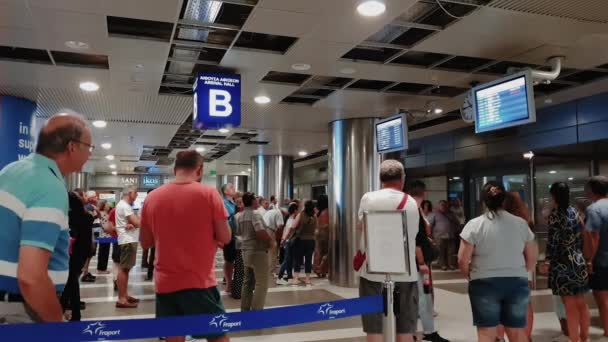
pixel 256 241
pixel 444 233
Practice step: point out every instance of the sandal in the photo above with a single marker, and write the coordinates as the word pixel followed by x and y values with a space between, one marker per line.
pixel 126 305
pixel 132 300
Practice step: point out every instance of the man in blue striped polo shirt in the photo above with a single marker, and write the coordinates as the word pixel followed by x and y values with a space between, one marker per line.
pixel 34 226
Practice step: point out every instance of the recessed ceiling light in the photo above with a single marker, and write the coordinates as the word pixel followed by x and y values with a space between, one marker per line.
pixel 106 146
pixel 248 170
pixel 139 66
pixel 89 86
pixel 570 178
pixel 300 66
pixel 114 173
pixel 548 100
pixel 371 8
pixel 529 155
pixel 302 153
pixel 437 110
pixel 200 149
pixel 243 171
pixel 552 172
pixel 76 45
pixel 223 130
pixel 112 166
pixel 100 123
pixel 110 157
pixel 348 71
pixel 456 178
pixel 262 99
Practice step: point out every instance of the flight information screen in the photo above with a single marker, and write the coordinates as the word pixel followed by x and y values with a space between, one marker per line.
pixel 391 134
pixel 503 104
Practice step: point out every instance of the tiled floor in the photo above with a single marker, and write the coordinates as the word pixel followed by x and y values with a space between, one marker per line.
pixel 452 305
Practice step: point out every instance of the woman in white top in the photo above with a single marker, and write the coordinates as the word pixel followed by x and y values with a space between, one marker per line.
pixel 496 252
pixel 287 245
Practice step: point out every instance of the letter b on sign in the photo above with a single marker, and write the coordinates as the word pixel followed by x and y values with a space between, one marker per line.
pixel 219 103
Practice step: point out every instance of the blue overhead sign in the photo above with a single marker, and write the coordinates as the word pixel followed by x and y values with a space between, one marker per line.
pixel 217 101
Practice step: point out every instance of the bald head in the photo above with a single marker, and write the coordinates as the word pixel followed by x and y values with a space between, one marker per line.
pixel 58 132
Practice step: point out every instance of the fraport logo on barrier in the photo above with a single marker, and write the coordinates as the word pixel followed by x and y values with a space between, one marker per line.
pixel 223 322
pixel 216 101
pixel 98 329
pixel 328 310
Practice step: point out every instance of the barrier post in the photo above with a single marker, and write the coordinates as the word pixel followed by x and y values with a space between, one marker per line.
pixel 389 323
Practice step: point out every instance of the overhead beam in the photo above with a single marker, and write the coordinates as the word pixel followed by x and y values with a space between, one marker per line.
pixel 200 45
pixel 441 62
pixel 206 24
pixel 395 56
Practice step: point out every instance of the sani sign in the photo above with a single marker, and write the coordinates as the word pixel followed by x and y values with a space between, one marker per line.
pixel 217 101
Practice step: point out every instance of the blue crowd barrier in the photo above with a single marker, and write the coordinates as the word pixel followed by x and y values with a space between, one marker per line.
pixel 193 325
pixel 107 240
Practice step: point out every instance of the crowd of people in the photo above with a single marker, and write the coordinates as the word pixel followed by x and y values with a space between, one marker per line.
pixel 49 237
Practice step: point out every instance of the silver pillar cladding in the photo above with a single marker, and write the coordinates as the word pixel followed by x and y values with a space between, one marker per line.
pixel 239 182
pixel 353 171
pixel 272 175
pixel 78 180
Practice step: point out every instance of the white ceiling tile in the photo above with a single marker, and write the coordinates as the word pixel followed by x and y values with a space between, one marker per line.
pixel 16 15
pixel 278 22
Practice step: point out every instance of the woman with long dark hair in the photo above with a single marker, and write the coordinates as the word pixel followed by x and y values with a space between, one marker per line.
pixel 496 253
pixel 568 276
pixel 321 266
pixel 305 226
pixel 288 246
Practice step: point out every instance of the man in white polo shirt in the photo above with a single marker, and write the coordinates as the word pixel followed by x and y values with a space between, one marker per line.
pixel 391 197
pixel 127 226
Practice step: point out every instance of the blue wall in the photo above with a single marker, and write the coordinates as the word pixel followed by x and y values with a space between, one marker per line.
pixel 16 126
pixel 573 122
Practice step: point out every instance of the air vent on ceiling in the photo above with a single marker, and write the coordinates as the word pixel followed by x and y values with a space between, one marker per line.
pixel 263 41
pixel 369 85
pixel 139 29
pixel 258 142
pixel 420 58
pixel 18 54
pixel 446 91
pixel 585 76
pixel 412 36
pixel 553 87
pixel 299 100
pixel 80 59
pixel 285 77
pixel 463 63
pixel 165 161
pixel 370 54
pixel 409 88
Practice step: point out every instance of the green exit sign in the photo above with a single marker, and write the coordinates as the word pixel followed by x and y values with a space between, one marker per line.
pixel 213 173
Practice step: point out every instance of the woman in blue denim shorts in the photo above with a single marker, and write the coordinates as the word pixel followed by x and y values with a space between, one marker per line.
pixel 496 252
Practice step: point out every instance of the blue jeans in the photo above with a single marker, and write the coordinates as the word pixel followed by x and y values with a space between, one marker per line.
pixel 287 265
pixel 425 307
pixel 499 301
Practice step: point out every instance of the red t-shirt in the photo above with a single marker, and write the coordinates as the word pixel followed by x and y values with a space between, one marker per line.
pixel 112 218
pixel 179 217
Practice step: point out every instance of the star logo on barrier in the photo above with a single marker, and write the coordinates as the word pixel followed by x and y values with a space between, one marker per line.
pixel 218 321
pixel 94 328
pixel 324 309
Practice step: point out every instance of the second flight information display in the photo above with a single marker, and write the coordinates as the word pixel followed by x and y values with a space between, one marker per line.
pixel 502 105
pixel 390 135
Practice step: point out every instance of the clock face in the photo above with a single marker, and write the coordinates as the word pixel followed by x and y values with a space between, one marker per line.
pixel 467 112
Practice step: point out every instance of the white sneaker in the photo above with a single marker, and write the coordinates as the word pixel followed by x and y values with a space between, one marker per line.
pixel 282 282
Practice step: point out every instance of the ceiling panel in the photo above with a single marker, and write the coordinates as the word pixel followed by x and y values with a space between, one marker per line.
pixel 286 23
pixel 583 10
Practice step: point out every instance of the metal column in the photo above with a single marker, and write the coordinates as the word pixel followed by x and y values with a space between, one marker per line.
pixel 272 175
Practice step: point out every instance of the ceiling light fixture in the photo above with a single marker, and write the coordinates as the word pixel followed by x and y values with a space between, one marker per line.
pixel 110 157
pixel 548 100
pixel 89 86
pixel 348 71
pixel 114 173
pixel 570 178
pixel 552 172
pixel 223 130
pixel 300 66
pixel 529 155
pixel 106 146
pixel 112 166
pixel 76 45
pixel 248 170
pixel 371 8
pixel 437 110
pixel 100 124
pixel 262 99
pixel 200 149
pixel 302 153
pixel 456 178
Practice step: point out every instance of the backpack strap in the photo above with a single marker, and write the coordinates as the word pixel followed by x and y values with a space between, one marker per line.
pixel 403 202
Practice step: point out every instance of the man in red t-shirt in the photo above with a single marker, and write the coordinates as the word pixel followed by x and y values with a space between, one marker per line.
pixel 186 222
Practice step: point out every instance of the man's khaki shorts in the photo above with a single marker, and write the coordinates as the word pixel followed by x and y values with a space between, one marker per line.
pixel 128 254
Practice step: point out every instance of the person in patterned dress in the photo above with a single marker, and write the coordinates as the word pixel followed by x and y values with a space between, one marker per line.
pixel 568 276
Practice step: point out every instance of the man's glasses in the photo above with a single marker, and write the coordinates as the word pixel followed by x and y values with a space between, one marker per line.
pixel 91 147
